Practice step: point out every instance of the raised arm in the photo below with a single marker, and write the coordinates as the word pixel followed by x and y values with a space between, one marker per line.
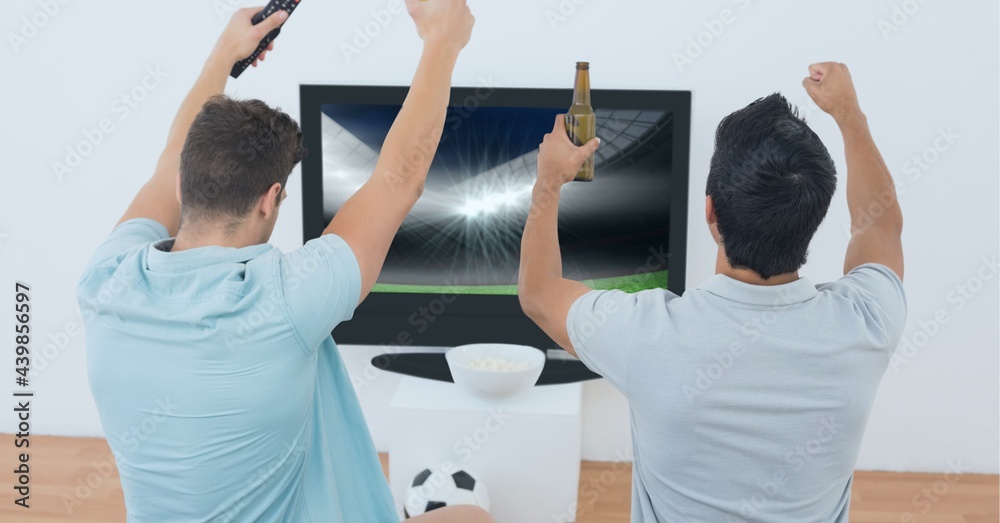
pixel 545 295
pixel 370 218
pixel 876 219
pixel 158 197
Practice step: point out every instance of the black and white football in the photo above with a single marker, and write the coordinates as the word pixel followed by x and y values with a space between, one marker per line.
pixel 443 488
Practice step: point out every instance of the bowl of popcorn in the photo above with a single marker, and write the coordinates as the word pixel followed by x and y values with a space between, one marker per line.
pixel 495 370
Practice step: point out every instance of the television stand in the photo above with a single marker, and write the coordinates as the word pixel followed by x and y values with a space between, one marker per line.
pixel 559 368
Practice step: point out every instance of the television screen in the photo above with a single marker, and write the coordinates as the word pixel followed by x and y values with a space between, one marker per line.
pixel 450 277
pixel 463 236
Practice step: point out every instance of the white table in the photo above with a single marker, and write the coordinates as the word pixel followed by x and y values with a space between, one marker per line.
pixel 526 449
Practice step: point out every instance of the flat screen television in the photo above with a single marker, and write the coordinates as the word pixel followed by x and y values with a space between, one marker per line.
pixel 450 277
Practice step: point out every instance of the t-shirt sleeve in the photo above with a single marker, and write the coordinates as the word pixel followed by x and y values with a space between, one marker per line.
pixel 129 234
pixel 878 296
pixel 126 236
pixel 601 328
pixel 322 285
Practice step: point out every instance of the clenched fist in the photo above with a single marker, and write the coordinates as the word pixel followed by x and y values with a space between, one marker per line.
pixel 447 23
pixel 829 84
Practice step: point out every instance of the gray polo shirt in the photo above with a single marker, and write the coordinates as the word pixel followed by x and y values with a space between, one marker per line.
pixel 748 403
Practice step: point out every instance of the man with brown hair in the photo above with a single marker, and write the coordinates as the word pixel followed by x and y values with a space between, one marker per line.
pixel 210 358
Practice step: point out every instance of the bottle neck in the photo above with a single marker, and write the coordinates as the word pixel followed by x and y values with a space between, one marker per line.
pixel 581 87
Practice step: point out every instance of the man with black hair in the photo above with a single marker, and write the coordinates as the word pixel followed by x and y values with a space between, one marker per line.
pixel 209 352
pixel 748 395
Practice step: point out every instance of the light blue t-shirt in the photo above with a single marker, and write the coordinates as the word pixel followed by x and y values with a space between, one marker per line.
pixel 219 386
pixel 747 403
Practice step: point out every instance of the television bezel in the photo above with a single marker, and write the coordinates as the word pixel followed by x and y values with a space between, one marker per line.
pixel 389 318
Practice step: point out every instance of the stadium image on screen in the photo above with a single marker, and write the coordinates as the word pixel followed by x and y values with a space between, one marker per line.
pixel 464 234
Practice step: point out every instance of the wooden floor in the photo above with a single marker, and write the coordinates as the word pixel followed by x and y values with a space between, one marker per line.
pixel 73 479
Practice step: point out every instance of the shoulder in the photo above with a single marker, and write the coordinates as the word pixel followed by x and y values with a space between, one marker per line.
pixel 875 295
pixel 867 282
pixel 593 309
pixel 327 255
pixel 126 242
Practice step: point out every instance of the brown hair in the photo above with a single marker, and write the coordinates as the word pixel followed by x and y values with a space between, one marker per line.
pixel 235 151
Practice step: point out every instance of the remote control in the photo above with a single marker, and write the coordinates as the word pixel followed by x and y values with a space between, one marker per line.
pixel 269 9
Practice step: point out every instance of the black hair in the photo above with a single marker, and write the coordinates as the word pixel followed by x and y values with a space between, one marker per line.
pixel 771 181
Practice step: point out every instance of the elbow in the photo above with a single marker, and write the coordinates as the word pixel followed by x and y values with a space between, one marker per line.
pixel 892 219
pixel 892 224
pixel 895 218
pixel 526 296
pixel 888 222
pixel 416 187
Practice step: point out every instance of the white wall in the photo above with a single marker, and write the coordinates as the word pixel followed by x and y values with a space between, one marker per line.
pixel 937 72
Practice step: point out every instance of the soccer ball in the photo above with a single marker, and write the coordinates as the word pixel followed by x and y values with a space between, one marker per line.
pixel 444 487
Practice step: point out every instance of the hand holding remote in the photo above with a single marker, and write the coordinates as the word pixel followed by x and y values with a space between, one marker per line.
pixel 250 34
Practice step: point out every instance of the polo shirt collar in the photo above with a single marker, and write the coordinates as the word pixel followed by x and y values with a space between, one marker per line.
pixel 160 259
pixel 797 291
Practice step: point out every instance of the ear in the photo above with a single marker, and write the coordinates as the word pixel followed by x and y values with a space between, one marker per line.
pixel 178 188
pixel 268 203
pixel 711 219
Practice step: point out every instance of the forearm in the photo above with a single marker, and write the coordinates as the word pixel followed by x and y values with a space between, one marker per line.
pixel 545 296
pixel 871 192
pixel 369 220
pixel 541 259
pixel 413 138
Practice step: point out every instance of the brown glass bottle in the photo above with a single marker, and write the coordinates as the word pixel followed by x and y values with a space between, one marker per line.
pixel 581 123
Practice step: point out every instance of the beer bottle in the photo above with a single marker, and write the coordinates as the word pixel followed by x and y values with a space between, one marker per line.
pixel 581 123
